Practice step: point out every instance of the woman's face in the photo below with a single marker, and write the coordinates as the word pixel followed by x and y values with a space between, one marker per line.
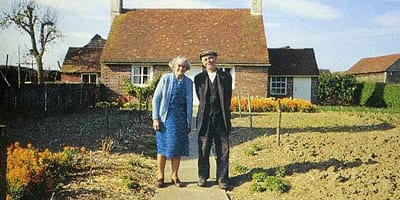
pixel 180 70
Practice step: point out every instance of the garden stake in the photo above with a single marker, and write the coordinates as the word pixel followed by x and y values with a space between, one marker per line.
pixel 250 117
pixel 278 127
pixel 240 107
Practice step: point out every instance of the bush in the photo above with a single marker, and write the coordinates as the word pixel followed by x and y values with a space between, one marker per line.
pixel 392 95
pixel 378 95
pixel 32 174
pixel 262 104
pixel 262 182
pixel 252 151
pixel 336 89
pixel 240 168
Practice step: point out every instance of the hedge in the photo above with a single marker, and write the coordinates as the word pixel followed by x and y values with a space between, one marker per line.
pixel 379 95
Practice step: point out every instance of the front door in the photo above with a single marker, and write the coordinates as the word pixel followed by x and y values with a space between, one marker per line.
pixel 302 88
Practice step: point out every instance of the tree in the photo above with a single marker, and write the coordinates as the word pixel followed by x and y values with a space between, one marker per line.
pixel 39 22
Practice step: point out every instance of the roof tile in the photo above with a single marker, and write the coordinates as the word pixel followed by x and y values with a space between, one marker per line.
pixel 157 35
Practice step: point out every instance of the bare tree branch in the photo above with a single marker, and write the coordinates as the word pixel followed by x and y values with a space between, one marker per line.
pixel 40 23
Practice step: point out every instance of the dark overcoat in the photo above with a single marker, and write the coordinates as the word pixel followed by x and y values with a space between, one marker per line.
pixel 224 81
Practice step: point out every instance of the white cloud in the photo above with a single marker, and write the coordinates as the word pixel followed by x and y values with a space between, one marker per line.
pixel 389 19
pixel 306 8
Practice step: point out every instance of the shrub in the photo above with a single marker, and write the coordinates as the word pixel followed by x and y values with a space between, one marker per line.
pixel 378 95
pixel 392 95
pixel 262 182
pixel 32 173
pixel 263 104
pixel 129 183
pixel 252 151
pixel 240 168
pixel 336 89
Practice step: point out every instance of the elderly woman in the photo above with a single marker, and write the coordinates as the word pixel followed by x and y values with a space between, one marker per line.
pixel 172 118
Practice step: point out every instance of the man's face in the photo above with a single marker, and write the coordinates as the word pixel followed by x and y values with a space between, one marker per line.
pixel 209 62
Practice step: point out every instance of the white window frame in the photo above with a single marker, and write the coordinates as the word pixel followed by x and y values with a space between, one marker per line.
pixel 90 74
pixel 271 88
pixel 232 72
pixel 142 82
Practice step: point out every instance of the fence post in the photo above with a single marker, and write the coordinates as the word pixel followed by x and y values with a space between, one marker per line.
pixel 240 106
pixel 278 127
pixel 249 106
pixel 3 162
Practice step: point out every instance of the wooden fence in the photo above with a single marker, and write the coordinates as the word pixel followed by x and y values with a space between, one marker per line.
pixel 48 98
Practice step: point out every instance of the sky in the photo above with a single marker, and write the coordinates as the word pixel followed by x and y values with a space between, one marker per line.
pixel 341 32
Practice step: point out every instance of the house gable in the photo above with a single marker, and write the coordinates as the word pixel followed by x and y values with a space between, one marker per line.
pixel 374 64
pixel 84 59
pixel 288 61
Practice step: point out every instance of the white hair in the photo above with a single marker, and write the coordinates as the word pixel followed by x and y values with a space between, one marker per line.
pixel 180 60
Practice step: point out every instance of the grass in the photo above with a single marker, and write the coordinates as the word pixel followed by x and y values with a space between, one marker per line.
pixel 357 109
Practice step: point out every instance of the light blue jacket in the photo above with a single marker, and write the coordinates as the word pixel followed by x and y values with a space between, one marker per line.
pixel 162 96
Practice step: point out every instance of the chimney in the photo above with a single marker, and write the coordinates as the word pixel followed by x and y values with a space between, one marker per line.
pixel 256 7
pixel 116 8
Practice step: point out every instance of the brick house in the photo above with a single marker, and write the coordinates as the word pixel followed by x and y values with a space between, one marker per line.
pixel 293 73
pixel 141 42
pixel 385 69
pixel 82 64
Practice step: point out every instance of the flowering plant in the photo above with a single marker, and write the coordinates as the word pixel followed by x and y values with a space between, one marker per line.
pixel 33 173
pixel 263 104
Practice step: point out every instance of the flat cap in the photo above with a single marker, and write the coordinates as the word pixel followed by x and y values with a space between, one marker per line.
pixel 208 52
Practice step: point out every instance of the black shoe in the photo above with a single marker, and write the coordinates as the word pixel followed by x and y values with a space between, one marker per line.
pixel 223 185
pixel 202 182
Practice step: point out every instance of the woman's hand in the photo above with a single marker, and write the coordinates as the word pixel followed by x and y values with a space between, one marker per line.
pixel 156 124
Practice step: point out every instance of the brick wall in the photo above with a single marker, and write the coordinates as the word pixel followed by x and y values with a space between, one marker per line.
pixel 162 69
pixel 114 77
pixel 252 80
pixel 71 78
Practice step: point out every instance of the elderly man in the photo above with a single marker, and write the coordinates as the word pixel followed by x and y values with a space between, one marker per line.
pixel 214 90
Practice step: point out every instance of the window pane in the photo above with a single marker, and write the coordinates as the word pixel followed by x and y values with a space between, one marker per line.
pixel 136 80
pixel 136 70
pixel 85 78
pixel 145 70
pixel 93 78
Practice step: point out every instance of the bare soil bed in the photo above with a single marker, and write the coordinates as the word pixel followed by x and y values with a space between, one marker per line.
pixel 125 172
pixel 327 155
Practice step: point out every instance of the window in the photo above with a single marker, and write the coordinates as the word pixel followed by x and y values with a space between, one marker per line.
pixel 278 85
pixel 140 75
pixel 89 78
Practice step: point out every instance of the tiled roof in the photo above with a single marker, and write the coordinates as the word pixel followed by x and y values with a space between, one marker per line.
pixel 374 64
pixel 157 35
pixel 84 59
pixel 288 61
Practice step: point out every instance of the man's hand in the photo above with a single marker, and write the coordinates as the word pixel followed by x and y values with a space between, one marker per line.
pixel 156 124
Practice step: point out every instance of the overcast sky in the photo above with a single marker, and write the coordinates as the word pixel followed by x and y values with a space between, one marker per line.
pixel 340 31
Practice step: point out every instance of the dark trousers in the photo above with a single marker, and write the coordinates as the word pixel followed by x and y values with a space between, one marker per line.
pixel 215 132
